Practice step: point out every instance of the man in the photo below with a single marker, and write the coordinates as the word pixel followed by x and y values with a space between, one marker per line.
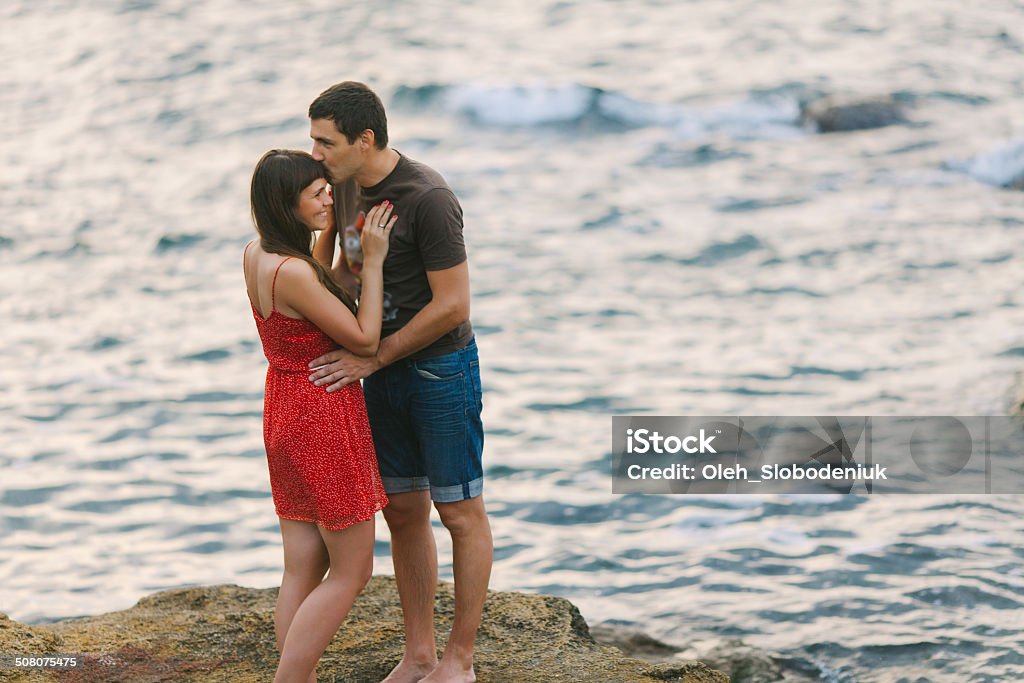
pixel 422 388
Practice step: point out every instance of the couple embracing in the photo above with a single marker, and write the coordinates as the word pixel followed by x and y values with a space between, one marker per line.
pixel 410 436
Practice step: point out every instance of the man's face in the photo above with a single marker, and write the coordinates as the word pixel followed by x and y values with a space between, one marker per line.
pixel 332 148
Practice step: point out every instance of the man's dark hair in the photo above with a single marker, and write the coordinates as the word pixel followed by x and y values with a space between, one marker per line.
pixel 354 108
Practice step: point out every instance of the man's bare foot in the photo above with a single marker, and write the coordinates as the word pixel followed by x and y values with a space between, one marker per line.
pixel 409 671
pixel 447 672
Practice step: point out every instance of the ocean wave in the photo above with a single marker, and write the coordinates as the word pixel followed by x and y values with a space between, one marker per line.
pixel 1002 165
pixel 758 115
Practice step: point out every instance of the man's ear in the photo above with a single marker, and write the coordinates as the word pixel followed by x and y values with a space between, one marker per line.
pixel 366 140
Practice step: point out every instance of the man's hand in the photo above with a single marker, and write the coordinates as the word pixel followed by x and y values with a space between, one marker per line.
pixel 340 367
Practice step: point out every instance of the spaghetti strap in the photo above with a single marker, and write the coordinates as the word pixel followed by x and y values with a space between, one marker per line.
pixel 273 286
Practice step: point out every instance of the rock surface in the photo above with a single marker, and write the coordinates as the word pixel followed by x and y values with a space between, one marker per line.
pixel 746 664
pixel 741 662
pixel 226 633
pixel 634 643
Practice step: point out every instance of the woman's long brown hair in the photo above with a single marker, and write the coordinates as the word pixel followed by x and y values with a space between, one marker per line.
pixel 280 176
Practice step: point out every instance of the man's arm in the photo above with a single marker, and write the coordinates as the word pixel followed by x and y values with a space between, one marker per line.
pixel 448 308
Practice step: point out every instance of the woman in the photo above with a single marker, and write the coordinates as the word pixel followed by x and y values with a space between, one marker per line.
pixel 323 469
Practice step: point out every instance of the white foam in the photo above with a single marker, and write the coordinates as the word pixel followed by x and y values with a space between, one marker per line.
pixel 747 119
pixel 1000 165
pixel 528 105
pixel 628 110
pixel 521 105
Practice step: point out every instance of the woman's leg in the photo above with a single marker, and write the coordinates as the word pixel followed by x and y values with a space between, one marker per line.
pixel 325 608
pixel 305 562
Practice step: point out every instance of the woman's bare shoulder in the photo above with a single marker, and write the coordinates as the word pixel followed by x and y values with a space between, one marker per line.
pixel 295 272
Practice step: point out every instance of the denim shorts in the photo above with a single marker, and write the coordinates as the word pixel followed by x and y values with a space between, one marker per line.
pixel 425 418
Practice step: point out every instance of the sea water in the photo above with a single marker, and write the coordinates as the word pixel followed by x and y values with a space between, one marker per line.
pixel 651 229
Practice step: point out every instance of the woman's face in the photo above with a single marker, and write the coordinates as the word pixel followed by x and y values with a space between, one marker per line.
pixel 314 203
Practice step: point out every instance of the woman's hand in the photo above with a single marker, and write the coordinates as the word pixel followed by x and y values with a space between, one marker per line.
pixel 377 232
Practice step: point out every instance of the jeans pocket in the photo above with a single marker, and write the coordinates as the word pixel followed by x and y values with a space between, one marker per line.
pixel 440 369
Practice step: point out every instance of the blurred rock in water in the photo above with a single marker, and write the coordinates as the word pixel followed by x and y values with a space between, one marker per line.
pixel 838 114
pixel 741 662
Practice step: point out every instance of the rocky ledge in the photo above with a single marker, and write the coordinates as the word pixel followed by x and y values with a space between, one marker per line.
pixel 226 633
pixel 742 662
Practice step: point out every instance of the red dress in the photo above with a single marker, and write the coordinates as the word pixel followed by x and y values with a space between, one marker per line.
pixel 323 467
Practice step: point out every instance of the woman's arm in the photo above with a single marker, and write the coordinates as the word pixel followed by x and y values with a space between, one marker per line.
pixel 343 275
pixel 300 290
pixel 346 211
pixel 323 250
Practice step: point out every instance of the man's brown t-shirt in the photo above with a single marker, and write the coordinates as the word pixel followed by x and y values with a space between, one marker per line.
pixel 427 236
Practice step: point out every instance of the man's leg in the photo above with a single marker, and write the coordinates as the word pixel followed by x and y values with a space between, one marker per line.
pixel 445 405
pixel 415 557
pixel 473 551
pixel 408 517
